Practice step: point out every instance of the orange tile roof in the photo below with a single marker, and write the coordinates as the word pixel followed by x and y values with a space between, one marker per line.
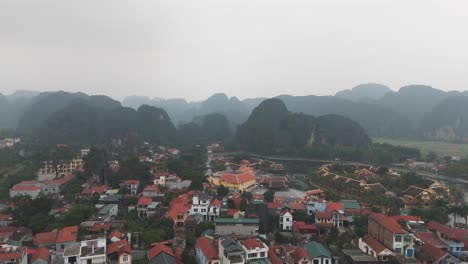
pixel 388 222
pixel 45 238
pixel 238 177
pixel 99 227
pixel 207 248
pixel 178 209
pixel 158 249
pixel 274 259
pixel 151 188
pixel 130 181
pixel 299 254
pixel 26 188
pixel 274 205
pixel 60 181
pixel 67 234
pixel 334 206
pixel 144 201
pixel 297 206
pixel 375 245
pixel 95 189
pixel 434 252
pixel 13 255
pixel 119 247
pixel 216 202
pixel 40 253
pixel 251 243
pixel 116 233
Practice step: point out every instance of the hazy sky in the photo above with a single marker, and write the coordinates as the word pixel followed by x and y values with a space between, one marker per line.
pixel 246 48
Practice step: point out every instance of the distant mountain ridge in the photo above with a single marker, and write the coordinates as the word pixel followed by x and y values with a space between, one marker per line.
pixel 414 111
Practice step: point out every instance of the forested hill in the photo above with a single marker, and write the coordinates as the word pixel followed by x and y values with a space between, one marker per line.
pixel 81 119
pixel 272 129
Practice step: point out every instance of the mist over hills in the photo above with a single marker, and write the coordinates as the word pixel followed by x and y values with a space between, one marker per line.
pixel 414 111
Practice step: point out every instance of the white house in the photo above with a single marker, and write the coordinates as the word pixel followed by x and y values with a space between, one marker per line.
pixel 88 251
pixel 254 249
pixel 201 205
pixel 130 185
pixel 205 252
pixel 376 249
pixel 285 221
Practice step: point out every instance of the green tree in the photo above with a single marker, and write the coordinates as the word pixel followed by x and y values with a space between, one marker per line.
pixel 130 200
pixel 231 204
pixel 247 195
pixel 243 205
pixel 39 222
pixel 223 191
pixel 269 196
pixel 153 235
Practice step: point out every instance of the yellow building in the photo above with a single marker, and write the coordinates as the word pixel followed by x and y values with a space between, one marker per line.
pixel 240 180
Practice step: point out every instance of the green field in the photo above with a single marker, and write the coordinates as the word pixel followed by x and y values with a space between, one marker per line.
pixel 442 149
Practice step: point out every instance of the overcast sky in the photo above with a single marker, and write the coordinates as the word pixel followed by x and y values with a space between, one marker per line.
pixel 246 48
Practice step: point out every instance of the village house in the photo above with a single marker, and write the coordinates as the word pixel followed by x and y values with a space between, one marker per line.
pixel 319 254
pixel 119 252
pixel 13 255
pixel 303 229
pixel 66 237
pixel 205 252
pixel 255 250
pixel 107 213
pixel 142 207
pixel 285 221
pixel 387 231
pixel 94 191
pixel 454 240
pixel 88 251
pixel 230 252
pixel 161 254
pixel 40 256
pixel 130 185
pixel 432 254
pixel 372 247
pixel 299 256
pixel 151 191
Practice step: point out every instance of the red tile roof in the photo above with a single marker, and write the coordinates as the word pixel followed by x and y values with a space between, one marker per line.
pixel 431 238
pixel 119 247
pixel 151 188
pixel 324 215
pixel 207 248
pixel 252 243
pixel 231 212
pixel 216 203
pixel 99 227
pixel 297 206
pixel 158 249
pixel 116 233
pixel 67 234
pixel 434 252
pixel 302 226
pixel 45 238
pixel 314 192
pixel 40 253
pixel 375 245
pixel 334 206
pixel 299 254
pixel 406 218
pixel 95 189
pixel 18 254
pixel 452 233
pixel 60 181
pixel 274 205
pixel 26 188
pixel 130 182
pixel 274 259
pixel 5 217
pixel 238 177
pixel 144 201
pixel 178 209
pixel 388 223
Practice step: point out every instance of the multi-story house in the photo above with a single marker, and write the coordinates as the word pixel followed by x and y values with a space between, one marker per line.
pixel 388 232
pixel 230 252
pixel 205 252
pixel 319 254
pixel 200 204
pixel 119 252
pixel 47 171
pixel 299 256
pixel 130 185
pixel 107 212
pixel 337 214
pixel 315 206
pixel 285 221
pixel 142 207
pixel 254 249
pixel 13 255
pixel 88 251
pixel 151 191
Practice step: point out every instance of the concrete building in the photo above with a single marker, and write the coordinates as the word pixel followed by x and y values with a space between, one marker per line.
pixel 240 226
pixel 84 252
pixel 255 250
pixel 285 221
pixel 230 252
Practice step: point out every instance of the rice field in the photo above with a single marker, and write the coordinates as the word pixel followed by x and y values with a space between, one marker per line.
pixel 442 149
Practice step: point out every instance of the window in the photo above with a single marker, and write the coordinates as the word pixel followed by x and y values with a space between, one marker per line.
pixel 262 254
pixel 316 261
pixel 252 255
pixel 398 250
pixel 125 258
pixel 397 238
